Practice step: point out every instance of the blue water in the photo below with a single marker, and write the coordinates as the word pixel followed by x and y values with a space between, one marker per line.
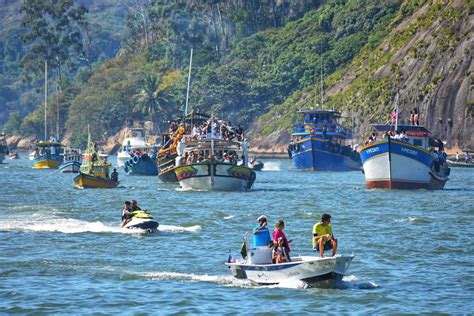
pixel 62 251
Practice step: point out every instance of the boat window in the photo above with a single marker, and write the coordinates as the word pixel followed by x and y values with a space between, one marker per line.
pixel 418 142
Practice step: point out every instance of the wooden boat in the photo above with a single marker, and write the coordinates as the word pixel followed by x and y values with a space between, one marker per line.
pixel 72 159
pixel 408 163
pixel 214 164
pixel 48 155
pixel 94 171
pixel 168 154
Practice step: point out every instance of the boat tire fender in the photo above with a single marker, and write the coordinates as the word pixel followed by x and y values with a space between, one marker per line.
pixel 135 159
pixel 251 180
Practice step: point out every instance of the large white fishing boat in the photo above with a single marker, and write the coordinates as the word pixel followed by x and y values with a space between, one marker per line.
pixel 412 161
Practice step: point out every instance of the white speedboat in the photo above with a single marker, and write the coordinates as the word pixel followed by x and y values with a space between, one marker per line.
pixel 134 139
pixel 258 268
pixel 142 220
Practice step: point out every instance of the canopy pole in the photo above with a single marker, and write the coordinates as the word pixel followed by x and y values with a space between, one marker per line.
pixel 189 82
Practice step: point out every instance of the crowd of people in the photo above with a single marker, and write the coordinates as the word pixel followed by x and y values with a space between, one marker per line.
pixel 212 128
pixel 322 240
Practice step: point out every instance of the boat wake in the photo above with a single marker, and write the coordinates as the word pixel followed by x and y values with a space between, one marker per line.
pixel 271 166
pixel 353 282
pixel 75 226
pixel 225 280
pixel 62 225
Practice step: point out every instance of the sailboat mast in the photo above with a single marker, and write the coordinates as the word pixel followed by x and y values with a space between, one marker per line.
pixel 321 70
pixel 396 114
pixel 45 99
pixel 189 81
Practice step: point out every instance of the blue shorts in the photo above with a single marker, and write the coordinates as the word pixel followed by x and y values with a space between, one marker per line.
pixel 327 246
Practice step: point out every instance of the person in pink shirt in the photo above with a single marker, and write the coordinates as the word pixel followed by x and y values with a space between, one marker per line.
pixel 277 233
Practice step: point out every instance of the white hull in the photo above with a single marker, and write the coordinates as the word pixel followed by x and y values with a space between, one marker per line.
pixel 147 224
pixel 122 157
pixel 309 269
pixel 400 168
pixel 207 183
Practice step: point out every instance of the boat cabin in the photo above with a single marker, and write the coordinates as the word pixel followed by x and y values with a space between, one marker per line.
pixel 194 151
pixel 321 122
pixel 415 135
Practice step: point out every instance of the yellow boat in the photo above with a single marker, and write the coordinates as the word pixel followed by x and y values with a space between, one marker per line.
pixel 48 155
pixel 94 172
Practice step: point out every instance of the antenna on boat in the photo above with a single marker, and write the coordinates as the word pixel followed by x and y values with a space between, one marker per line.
pixel 396 113
pixel 321 70
pixel 189 81
pixel 45 99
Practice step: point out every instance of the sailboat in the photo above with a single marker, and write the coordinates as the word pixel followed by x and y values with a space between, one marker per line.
pixel 94 171
pixel 48 153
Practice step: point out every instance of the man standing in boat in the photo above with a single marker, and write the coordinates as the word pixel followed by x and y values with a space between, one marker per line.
pixel 261 234
pixel 323 237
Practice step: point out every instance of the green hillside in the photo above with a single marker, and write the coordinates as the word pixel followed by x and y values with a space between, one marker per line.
pixel 256 58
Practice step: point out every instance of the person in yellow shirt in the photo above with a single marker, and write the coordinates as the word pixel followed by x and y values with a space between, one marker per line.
pixel 323 237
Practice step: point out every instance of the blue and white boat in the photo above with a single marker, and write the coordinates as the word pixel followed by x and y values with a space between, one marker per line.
pixel 72 159
pixel 410 162
pixel 319 143
pixel 143 164
pixel 135 138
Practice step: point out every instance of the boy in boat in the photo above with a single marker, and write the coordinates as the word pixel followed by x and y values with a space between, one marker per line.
pixel 261 234
pixel 323 238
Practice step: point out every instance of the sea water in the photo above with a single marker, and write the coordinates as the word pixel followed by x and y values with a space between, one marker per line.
pixel 62 250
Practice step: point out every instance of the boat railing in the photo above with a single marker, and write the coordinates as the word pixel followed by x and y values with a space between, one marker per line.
pixel 330 129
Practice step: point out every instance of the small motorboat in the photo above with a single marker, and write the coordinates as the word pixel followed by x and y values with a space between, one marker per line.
pixel 258 267
pixel 255 164
pixel 13 155
pixel 142 220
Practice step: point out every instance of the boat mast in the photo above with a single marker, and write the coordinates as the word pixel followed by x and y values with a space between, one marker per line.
pixel 321 71
pixel 396 113
pixel 45 99
pixel 189 81
pixel 212 151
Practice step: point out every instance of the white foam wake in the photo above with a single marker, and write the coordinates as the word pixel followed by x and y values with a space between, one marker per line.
pixel 63 225
pixel 226 280
pixel 410 219
pixel 272 166
pixel 74 226
pixel 179 229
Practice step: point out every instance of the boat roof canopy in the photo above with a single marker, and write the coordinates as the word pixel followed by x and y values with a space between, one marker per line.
pixel 401 128
pixel 331 112
pixel 48 144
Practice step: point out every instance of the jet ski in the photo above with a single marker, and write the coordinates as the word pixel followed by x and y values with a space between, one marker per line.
pixel 142 220
pixel 256 165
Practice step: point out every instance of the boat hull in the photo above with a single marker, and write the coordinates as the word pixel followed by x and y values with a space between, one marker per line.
pixel 2 157
pixel 47 161
pixel 87 181
pixel 222 176
pixel 143 224
pixel 308 269
pixel 167 165
pixel 70 167
pixel 144 165
pixel 391 164
pixel 322 155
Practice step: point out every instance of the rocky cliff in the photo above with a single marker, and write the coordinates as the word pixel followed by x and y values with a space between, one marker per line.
pixel 427 57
